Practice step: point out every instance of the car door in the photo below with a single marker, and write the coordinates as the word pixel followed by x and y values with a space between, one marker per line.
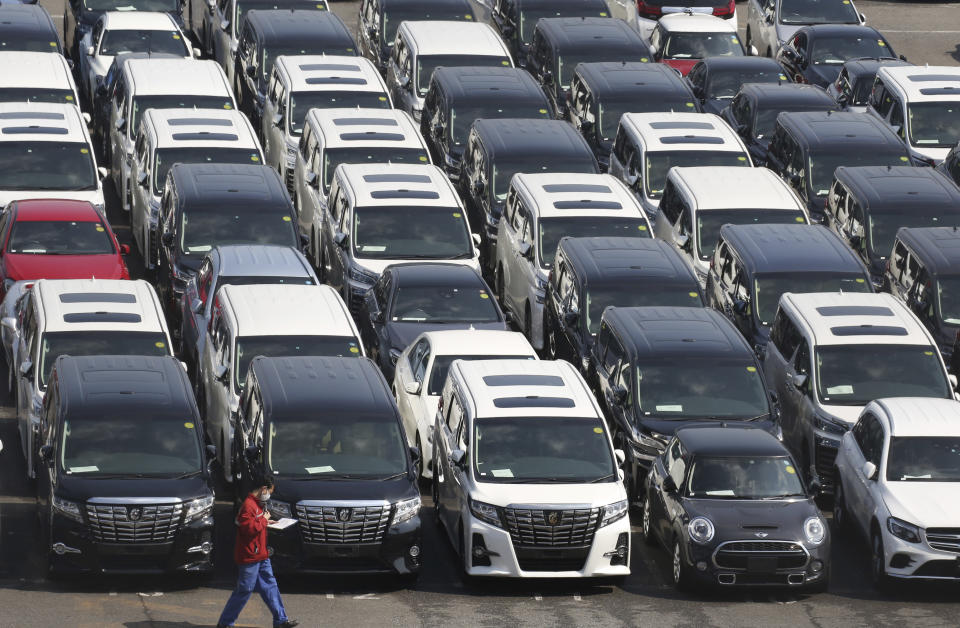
pixel 338 258
pixel 221 30
pixel 372 318
pixel 784 340
pixel 858 492
pixel 119 120
pixel 798 402
pixel 664 508
pixel 273 123
pixel 196 304
pixel 524 281
pixel 446 443
pixel 508 242
pixel 411 368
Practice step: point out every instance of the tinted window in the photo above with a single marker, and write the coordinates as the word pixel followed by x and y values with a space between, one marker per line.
pixel 600 298
pixel 426 64
pixel 411 232
pixel 333 157
pixel 769 288
pixel 853 375
pixel 441 366
pixel 710 221
pixel 696 389
pixel 167 41
pixel 552 229
pixel 659 163
pixel 302 102
pixel 166 157
pixel 249 347
pixel 443 304
pixel 53 166
pixel 817 12
pixel 835 50
pixel 923 459
pixel 744 478
pixel 202 229
pixel 935 124
pixel 701 45
pixel 59 237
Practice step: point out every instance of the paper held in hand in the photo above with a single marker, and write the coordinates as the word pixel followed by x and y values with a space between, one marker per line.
pixel 281 524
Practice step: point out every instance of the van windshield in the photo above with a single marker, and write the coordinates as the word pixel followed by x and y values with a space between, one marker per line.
pixel 333 157
pixel 166 157
pixel 249 347
pixel 185 101
pixel 331 445
pixel 81 343
pixel 545 450
pixel 504 169
pixel 530 16
pixel 883 226
pixel 948 293
pixel 29 41
pixel 159 41
pixel 38 94
pixel 270 54
pixel 461 118
pixel 726 83
pixel 702 45
pixel 441 366
pixel 836 50
pixel 769 288
pixel 202 229
pixel 709 222
pixel 698 389
pixel 134 445
pixel 46 166
pixel 767 116
pixel 163 6
pixel 600 298
pixel 552 229
pixel 823 165
pixel 658 163
pixel 934 124
pixel 612 110
pixel 567 63
pixel 411 232
pixel 854 375
pixel 426 64
pixel 303 102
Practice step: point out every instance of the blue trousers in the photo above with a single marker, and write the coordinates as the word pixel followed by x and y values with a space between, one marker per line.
pixel 254 577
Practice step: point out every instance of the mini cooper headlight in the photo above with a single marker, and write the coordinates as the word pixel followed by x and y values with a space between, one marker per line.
pixel 405 510
pixel 814 530
pixel 903 530
pixel 701 530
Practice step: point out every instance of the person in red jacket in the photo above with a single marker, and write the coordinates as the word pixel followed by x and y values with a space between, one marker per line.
pixel 253 560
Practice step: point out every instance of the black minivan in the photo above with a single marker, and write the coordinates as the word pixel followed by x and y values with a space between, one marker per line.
pixel 329 432
pixel 516 19
pixel 129 488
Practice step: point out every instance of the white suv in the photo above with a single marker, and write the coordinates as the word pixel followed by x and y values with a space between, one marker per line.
pixel 36 77
pixel 526 480
pixel 898 473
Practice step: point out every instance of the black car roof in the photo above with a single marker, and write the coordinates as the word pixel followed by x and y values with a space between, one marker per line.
pixel 616 260
pixel 814 31
pixel 386 5
pixel 471 84
pixel 590 33
pixel 318 28
pixel 229 185
pixel 685 332
pixel 840 129
pixel 435 274
pixel 937 247
pixel 899 187
pixel 27 18
pixel 599 5
pixel 730 441
pixel 784 248
pixel 714 64
pixel 93 386
pixel 860 67
pixel 772 95
pixel 304 386
pixel 632 77
pixel 520 138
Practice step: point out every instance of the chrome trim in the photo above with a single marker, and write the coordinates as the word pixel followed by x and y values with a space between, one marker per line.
pixel 713 556
pixel 135 500
pixel 343 503
pixel 553 506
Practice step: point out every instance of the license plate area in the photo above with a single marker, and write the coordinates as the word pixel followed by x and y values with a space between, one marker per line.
pixel 761 564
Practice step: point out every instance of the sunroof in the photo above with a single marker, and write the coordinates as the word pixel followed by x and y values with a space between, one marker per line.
pixel 31 115
pixel 422 194
pixel 396 178
pixel 199 122
pixel 335 80
pixel 558 188
pixel 681 125
pixel 373 135
pixel 34 130
pixel 205 135
pixel 869 330
pixel 940 91
pixel 101 317
pixel 691 139
pixel 97 297
pixel 854 310
pixel 587 204
pixel 365 122
pixel 317 67
pixel 533 401
pixel 934 78
pixel 523 380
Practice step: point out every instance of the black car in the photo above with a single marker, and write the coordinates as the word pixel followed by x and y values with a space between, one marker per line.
pixel 458 96
pixel 591 274
pixel 716 80
pixel 753 112
pixel 731 509
pixel 658 369
pixel 28 28
pixel 128 488
pixel 410 299
pixel 515 20
pixel 852 88
pixel 79 16
pixel 816 54
pixel 950 166
pixel 498 149
pixel 560 43
pixel 600 93
pixel 754 264
pixel 328 431
pixel 265 35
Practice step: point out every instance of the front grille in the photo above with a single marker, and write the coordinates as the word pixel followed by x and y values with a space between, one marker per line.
pixel 741 554
pixel 533 527
pixel 551 564
pixel 938 569
pixel 343 524
pixel 944 539
pixel 825 457
pixel 134 523
pixel 289 179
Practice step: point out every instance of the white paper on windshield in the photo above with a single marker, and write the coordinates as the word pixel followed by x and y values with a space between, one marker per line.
pixel 281 524
pixel 822 192
pixel 840 390
pixel 325 469
pixel 916 477
pixel 670 408
pixel 502 473
pixel 724 493
pixel 89 469
pixel 373 248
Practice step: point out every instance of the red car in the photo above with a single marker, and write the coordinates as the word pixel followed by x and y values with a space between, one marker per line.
pixel 57 239
pixel 680 40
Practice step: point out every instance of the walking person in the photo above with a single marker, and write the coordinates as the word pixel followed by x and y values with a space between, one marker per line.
pixel 253 561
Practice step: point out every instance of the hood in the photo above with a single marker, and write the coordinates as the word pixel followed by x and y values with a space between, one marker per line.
pixel 924 503
pixel 668 427
pixel 715 105
pixel 377 266
pixel 294 490
pixel 101 64
pixel 742 519
pixel 81 489
pixel 822 75
pixel 402 334
pixel 847 414
pixel 19 267
pixel 503 494
pixel 683 65
pixel 91 196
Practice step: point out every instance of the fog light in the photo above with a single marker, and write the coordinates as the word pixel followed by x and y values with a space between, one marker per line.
pixel 816 565
pixel 60 549
pixel 480 555
pixel 414 551
pixel 900 561
pixel 206 547
pixel 701 565
pixel 621 552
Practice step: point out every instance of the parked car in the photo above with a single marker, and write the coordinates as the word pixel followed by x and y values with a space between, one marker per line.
pixel 36 77
pixel 29 28
pixel 950 166
pixel 516 20
pixel 854 84
pixel 639 13
pixel 772 23
pixel 716 80
pixel 80 16
pixel 816 54
pixel 681 39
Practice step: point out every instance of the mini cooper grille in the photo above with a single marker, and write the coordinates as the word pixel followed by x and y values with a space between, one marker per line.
pixel 343 524
pixel 134 523
pixel 552 528
pixel 738 554
pixel 944 539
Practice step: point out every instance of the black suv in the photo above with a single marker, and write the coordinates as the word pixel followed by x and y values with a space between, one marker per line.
pixel 516 19
pixel 600 93
pixel 754 264
pixel 458 96
pixel 753 112
pixel 816 54
pixel 560 43
pixel 855 82
pixel 590 274
pixel 128 489
pixel 28 28
pixel 715 80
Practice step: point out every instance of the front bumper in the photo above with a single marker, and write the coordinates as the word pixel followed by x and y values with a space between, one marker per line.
pixel 716 565
pixel 920 560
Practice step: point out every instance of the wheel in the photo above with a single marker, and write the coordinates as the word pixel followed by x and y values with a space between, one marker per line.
pixel 647 524
pixel 681 575
pixel 822 585
pixel 878 564
pixel 769 52
pixel 840 514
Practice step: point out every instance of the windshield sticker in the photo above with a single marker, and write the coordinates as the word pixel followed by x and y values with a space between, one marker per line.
pixel 100 228
pixel 603 14
pixel 84 151
pixel 904 158
pixel 53 43
pixel 83 469
pixel 322 7
pixel 254 158
pixel 741 158
pixel 641 227
pixel 861 280
pixel 840 390
pixel 690 104
pixel 504 62
pixel 159 345
pixel 799 219
pixel 783 77
pixel 543 111
pixel 791 470
pixel 502 473
pixel 670 408
pixel 175 36
pixel 189 426
pixel 598 430
pixel 69 97
pixel 373 248
pixel 751 369
pixel 928 353
pixel 423 158
pixel 287 219
pixel 468 17
pixel 227 105
pixel 383 98
pixel 880 42
pixel 324 469
pixel 693 295
pixel 643 59
pixel 484 295
pixel 354 350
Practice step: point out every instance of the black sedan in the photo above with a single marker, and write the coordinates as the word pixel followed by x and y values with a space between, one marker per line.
pixel 410 299
pixel 716 80
pixel 816 54
pixel 729 505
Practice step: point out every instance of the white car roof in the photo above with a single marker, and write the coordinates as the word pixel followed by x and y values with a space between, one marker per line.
pixel 209 128
pixel 138 20
pixel 177 76
pixel 571 194
pixel 669 131
pixel 41 122
pixel 733 187
pixel 836 318
pixel 262 260
pixel 440 37
pixel 376 185
pixel 478 342
pixel 920 416
pixel 924 83
pixel 366 127
pixel 326 73
pixel 287 310
pixel 696 23
pixel 98 305
pixel 35 70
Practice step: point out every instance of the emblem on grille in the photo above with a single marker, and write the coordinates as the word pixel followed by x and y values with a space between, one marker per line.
pixel 134 514
pixel 343 514
pixel 553 517
pixel 761 535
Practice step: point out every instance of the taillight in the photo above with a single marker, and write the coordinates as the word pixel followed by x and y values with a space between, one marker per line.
pixel 727 10
pixel 648 10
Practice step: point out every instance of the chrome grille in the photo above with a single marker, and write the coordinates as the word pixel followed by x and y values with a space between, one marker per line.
pixel 737 554
pixel 134 523
pixel 944 539
pixel 552 528
pixel 343 524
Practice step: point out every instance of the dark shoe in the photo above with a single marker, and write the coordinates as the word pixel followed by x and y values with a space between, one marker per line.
pixel 290 623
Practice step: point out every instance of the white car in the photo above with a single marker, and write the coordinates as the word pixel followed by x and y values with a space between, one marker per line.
pixel 771 23
pixel 422 369
pixel 898 484
pixel 36 77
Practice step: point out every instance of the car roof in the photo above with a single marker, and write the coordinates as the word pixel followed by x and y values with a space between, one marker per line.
pixel 798 95
pixel 27 18
pixel 478 342
pixel 562 195
pixel 924 83
pixel 228 184
pixel 220 128
pixel 365 127
pixel 138 20
pixel 879 188
pixel 41 122
pixel 57 209
pixel 314 310
pixel 22 69
pixel 816 129
pixel 650 79
pixel 98 305
pixel 550 4
pixel 729 187
pixel 260 260
pixel 376 185
pixel 832 30
pixel 684 332
pixel 472 85
pixel 387 5
pixel 731 441
pixel 316 73
pixel 162 76
pixel 869 66
pixel 779 248
pixel 696 23
pixel 937 247
pixel 719 64
pixel 301 26
pixel 439 37
pixel 580 34
pixel 921 416
pixel 642 261
pixel 435 274
pixel 845 318
pixel 518 138
pixel 672 131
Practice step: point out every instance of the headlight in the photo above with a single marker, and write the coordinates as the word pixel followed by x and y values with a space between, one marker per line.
pixel 903 530
pixel 292 149
pixel 68 509
pixel 814 530
pixel 701 530
pixel 829 425
pixel 614 512
pixel 279 509
pixel 485 512
pixel 407 509
pixel 361 275
pixel 394 356
pixel 198 508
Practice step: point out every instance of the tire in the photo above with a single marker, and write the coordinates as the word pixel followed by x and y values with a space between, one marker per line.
pixel 840 512
pixel 822 586
pixel 878 564
pixel 769 52
pixel 680 572
pixel 647 525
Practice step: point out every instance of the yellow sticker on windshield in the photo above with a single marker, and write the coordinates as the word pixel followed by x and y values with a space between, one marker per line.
pixel 383 99
pixel 504 62
pixel 227 106
pixel 321 6
pixel 543 111
pixel 690 104
pixel 354 350
pixel 286 219
pixel 456 214
pixel 175 36
pixel 423 158
pixel 468 17
pixel 254 158
pixel 880 42
pixel 53 43
pixel 861 280
pixel 734 39
pixel 159 345
pixel 751 369
pixel 641 227
pixel 68 97
pixel 189 426
pixel 598 430
pixel 790 470
pixel 99 228
pixel 904 158
pixel 783 77
pixel 800 219
pixel 603 14
pixel 693 295
pixel 484 295
pixel 84 150
pixel 741 158
pixel 643 59
pixel 928 353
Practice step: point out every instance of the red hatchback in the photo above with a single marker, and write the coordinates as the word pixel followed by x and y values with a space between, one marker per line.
pixel 57 239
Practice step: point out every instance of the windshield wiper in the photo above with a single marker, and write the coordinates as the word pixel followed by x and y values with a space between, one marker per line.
pixel 188 474
pixel 601 479
pixel 394 476
pixel 773 497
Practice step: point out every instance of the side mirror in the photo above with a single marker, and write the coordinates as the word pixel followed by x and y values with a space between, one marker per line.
pixel 415 454
pixel 142 178
pixel 372 32
pixel 863 18
pixel 795 180
pixel 586 127
pixel 619 395
pixel 310 177
pixel 856 241
pixel 869 470
pixel 224 25
pixel 754 52
pixel 167 238
pixel 26 369
pixel 953 380
pixel 683 240
pixel 903 57
pixel 196 306
pixel 475 237
pixel 669 485
pixel 10 323
pixel 620 456
pixel 89 51
pixel 526 250
pixel 211 451
pixel 404 81
pixel 221 373
pixel 46 455
pixel 251 453
pixel 340 238
pixel 412 388
pixel 457 456
pixel 277 119
pixel 768 18
pixel 570 319
pixel 103 172
pixel 124 249
pixel 740 307
pixel 800 380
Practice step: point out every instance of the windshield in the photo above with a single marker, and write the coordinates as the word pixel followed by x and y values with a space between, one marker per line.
pixel 333 157
pixel 201 230
pixel 817 12
pixel 836 50
pixel 249 347
pixel 37 94
pixel 302 102
pixel 59 237
pixel 727 83
pixel 713 389
pixel 166 157
pixel 461 118
pixel 411 232
pixel 143 41
pixel 443 304
pixel 130 445
pixel 600 298
pixel 80 343
pixel 447 12
pixel 530 17
pixel 162 6
pixel 242 6
pixel 270 54
pixel 744 478
pixel 854 375
pixel 709 222
pixel 948 294
pixel 822 166
pixel 426 64
pixel 883 226
pixel 542 450
pixel 923 459
pixel 503 170
pixel 658 163
pixel 330 445
pixel 611 111
pixel 59 166
pixel 701 46
pixel 567 64
pixel 184 101
pixel 441 366
pixel 552 229
pixel 769 288
pixel 10 39
pixel 934 124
